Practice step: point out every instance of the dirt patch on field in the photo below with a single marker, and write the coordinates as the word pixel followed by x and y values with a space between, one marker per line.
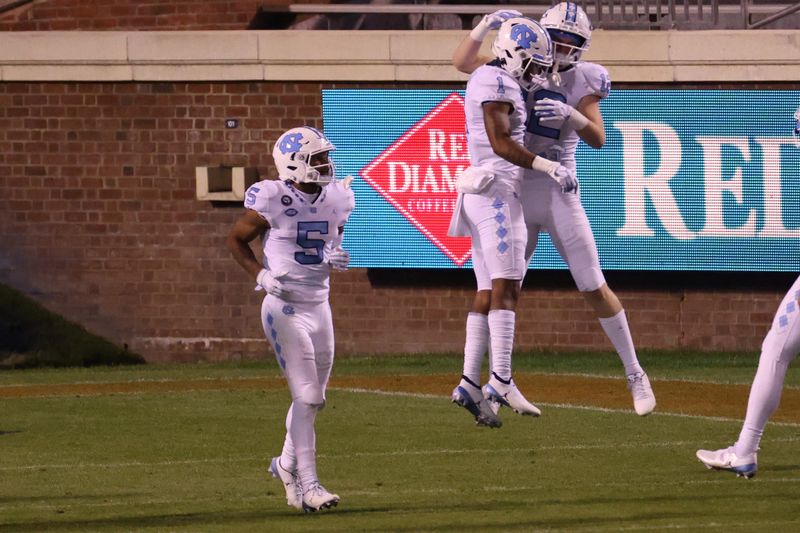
pixel 682 397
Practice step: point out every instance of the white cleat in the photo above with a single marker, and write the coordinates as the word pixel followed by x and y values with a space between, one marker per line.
pixel 510 396
pixel 477 405
pixel 644 401
pixel 316 498
pixel 294 495
pixel 725 459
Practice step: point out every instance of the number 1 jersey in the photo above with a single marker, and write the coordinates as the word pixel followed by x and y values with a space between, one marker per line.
pixel 302 232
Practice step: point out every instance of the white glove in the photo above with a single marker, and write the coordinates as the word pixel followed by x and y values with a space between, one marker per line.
pixel 339 258
pixel 492 21
pixel 554 113
pixel 273 283
pixel 561 174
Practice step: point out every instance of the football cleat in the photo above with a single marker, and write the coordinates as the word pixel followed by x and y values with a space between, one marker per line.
pixel 644 401
pixel 316 498
pixel 725 459
pixel 294 495
pixel 510 396
pixel 479 407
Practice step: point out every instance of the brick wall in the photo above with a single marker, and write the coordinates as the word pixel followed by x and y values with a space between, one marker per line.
pixel 44 15
pixel 98 221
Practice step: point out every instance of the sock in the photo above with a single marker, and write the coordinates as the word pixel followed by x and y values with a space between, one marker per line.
pixel 501 328
pixel 617 330
pixel 474 389
pixel 475 346
pixel 288 457
pixel 765 396
pixel 304 439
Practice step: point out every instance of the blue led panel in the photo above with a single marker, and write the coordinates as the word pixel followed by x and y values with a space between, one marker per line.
pixel 687 180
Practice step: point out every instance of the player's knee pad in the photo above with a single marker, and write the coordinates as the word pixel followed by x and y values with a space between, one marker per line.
pixel 311 395
pixel 589 279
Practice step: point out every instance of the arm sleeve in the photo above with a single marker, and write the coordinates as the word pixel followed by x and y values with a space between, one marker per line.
pixel 494 85
pixel 598 81
pixel 257 198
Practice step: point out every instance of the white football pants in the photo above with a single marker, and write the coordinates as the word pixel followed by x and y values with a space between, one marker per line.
pixel 547 209
pixel 301 335
pixel 498 236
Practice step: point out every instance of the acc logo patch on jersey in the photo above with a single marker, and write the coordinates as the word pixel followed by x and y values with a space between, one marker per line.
pixel 286 200
pixel 290 212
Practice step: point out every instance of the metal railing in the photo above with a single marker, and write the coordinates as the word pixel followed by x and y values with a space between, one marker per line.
pixel 606 14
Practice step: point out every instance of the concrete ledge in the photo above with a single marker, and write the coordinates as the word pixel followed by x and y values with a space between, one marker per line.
pixel 392 56
pixel 193 47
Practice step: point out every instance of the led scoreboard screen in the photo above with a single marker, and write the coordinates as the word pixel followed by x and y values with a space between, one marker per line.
pixel 687 180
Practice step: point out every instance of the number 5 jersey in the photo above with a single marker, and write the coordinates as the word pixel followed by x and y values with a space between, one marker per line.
pixel 303 230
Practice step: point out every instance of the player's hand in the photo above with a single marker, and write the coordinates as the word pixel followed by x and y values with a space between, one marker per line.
pixel 492 21
pixel 553 113
pixel 566 178
pixel 339 258
pixel 561 174
pixel 273 283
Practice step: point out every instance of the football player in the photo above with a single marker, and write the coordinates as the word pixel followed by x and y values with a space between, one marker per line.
pixel 300 219
pixel 563 110
pixel 780 347
pixel 488 207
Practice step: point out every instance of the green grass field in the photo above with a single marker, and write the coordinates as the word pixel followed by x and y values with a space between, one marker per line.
pixel 195 460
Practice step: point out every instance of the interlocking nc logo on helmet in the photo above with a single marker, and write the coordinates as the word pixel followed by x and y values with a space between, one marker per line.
pixel 523 35
pixel 290 143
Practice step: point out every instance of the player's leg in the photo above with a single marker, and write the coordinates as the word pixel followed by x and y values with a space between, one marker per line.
pixel 779 348
pixel 498 225
pixel 468 393
pixel 572 236
pixel 284 468
pixel 315 496
pixel 288 330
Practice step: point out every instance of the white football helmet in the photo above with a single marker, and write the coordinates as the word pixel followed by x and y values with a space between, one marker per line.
pixel 524 50
pixel 570 29
pixel 293 152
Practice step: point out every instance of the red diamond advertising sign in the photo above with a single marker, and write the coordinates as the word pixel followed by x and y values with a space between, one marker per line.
pixel 417 174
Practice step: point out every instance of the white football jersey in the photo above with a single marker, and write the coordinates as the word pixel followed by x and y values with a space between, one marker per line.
pixel 560 144
pixel 490 83
pixel 301 233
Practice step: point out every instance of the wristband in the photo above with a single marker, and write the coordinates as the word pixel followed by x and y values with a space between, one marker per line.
pixel 542 164
pixel 479 32
pixel 577 120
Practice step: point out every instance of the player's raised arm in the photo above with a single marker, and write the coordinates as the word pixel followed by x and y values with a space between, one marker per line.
pixel 466 58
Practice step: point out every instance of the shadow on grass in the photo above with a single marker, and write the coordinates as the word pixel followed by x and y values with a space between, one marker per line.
pixel 228 519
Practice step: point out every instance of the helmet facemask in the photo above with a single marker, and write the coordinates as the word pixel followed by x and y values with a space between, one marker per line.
pixel 567 48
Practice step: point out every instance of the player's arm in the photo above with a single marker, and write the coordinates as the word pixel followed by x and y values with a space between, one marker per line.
pixel 594 133
pixel 498 129
pixel 246 229
pixel 496 118
pixel 465 57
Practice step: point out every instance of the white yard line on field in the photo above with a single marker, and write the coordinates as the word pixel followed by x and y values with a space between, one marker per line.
pixel 561 406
